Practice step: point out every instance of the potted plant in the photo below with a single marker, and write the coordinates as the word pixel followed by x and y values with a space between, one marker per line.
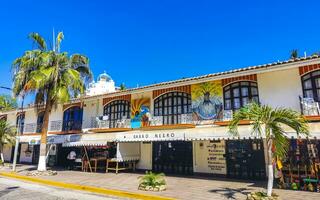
pixel 152 182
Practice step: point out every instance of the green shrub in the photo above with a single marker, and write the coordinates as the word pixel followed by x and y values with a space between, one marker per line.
pixel 152 181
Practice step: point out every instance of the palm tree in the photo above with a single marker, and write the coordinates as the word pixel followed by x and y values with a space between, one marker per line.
pixel 52 76
pixel 269 121
pixel 7 135
pixel 294 54
pixel 7 102
pixel 123 87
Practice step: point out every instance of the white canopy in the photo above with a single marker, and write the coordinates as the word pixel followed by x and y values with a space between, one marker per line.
pixel 148 136
pixel 89 139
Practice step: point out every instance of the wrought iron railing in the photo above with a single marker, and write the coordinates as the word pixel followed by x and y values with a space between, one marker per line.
pixel 72 125
pixel 309 106
pixel 55 125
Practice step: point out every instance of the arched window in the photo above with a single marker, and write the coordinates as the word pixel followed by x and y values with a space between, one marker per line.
pixel 40 121
pixel 171 106
pixel 311 85
pixel 239 94
pixel 117 110
pixel 72 119
pixel 20 122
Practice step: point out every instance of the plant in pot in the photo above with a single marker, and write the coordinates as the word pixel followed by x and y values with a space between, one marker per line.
pixel 152 182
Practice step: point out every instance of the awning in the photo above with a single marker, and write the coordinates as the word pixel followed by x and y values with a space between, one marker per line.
pixel 56 139
pixel 219 133
pixel 314 129
pixel 89 139
pixel 30 139
pixel 149 136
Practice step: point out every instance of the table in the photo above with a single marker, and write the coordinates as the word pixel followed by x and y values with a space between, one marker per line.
pixel 126 164
pixel 95 161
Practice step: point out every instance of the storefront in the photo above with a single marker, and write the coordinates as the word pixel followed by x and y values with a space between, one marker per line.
pixel 203 150
pixel 94 147
pixel 172 157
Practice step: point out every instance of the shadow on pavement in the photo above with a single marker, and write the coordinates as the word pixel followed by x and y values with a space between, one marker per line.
pixel 230 193
pixel 8 190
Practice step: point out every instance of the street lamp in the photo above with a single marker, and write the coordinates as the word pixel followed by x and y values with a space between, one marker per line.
pixel 16 147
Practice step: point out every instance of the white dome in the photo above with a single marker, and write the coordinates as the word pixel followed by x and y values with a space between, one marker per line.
pixel 103 85
pixel 104 77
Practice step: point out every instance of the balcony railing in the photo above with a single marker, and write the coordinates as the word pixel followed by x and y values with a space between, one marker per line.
pixel 181 119
pixel 72 125
pixel 55 126
pixel 309 107
pixel 32 128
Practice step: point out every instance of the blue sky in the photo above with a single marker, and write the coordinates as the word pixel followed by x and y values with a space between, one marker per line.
pixel 144 42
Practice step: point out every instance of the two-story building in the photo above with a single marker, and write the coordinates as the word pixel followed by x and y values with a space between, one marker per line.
pixel 180 126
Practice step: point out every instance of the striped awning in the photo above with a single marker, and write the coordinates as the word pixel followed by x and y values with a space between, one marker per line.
pixel 89 139
pixel 212 132
pixel 149 136
pixel 30 139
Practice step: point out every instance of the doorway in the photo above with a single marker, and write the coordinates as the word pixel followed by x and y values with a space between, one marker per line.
pixel 245 159
pixel 172 157
pixel 36 154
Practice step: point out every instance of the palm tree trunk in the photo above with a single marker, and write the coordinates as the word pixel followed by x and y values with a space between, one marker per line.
pixel 270 168
pixel 1 153
pixel 42 165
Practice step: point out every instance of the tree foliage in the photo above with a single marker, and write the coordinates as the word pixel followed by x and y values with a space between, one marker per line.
pixel 7 102
pixel 271 122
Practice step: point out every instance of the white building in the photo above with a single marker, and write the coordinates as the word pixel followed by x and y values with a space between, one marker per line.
pixel 181 126
pixel 104 85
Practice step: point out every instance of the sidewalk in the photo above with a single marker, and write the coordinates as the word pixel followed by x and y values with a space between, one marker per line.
pixel 178 187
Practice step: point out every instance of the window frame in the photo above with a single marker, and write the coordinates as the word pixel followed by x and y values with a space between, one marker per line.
pixel 116 110
pixel 172 105
pixel 239 85
pixel 313 88
pixel 70 122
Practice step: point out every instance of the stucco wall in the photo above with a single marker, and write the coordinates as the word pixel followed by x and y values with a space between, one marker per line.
pixel 280 88
pixel 31 116
pixel 209 159
pixel 7 150
pixel 90 111
pixel 145 161
pixel 11 118
pixel 24 157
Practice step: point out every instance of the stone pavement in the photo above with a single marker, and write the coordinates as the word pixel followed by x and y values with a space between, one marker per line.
pixel 11 189
pixel 202 188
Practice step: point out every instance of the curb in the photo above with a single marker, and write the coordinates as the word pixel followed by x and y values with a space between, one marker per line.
pixel 97 190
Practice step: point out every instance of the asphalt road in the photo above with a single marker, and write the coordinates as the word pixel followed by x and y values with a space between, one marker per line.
pixel 15 190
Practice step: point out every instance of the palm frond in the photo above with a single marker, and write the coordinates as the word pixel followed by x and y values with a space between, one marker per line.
pixel 59 39
pixel 39 41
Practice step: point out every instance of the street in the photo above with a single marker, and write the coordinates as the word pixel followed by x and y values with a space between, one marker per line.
pixel 13 190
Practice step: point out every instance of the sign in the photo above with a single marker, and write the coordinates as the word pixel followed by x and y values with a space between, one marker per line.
pixel 142 136
pixel 56 139
pixel 216 160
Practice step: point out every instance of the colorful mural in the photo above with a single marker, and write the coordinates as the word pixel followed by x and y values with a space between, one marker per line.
pixel 207 100
pixel 140 112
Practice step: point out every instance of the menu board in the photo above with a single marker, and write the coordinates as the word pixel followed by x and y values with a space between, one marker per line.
pixel 216 160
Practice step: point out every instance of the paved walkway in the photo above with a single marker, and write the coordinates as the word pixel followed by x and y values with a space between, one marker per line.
pixel 202 188
pixel 12 189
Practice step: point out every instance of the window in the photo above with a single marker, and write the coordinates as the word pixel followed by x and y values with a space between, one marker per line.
pixel 20 123
pixel 239 94
pixel 40 122
pixel 311 85
pixel 171 106
pixel 72 119
pixel 117 110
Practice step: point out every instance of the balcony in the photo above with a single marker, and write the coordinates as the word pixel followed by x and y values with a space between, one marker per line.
pixel 103 124
pixel 310 109
pixel 55 126
pixel 165 122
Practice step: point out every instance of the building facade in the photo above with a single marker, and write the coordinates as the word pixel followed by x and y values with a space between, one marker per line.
pixel 180 127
